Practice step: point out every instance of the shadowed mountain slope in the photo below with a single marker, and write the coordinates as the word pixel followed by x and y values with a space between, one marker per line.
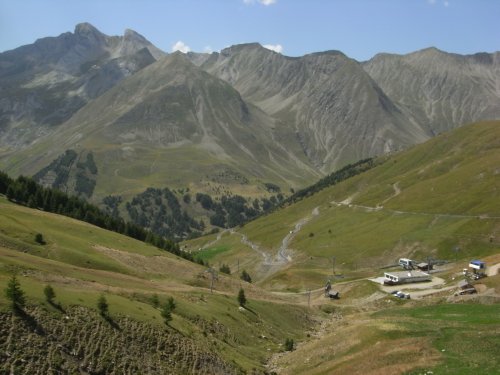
pixel 336 111
pixel 442 90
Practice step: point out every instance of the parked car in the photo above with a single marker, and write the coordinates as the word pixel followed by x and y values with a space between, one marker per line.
pixel 466 291
pixel 400 294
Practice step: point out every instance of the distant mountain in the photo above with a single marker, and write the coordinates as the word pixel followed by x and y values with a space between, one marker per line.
pixel 439 90
pixel 45 83
pixel 174 122
pixel 222 123
pixel 336 111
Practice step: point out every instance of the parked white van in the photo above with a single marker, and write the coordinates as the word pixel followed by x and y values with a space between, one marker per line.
pixel 406 263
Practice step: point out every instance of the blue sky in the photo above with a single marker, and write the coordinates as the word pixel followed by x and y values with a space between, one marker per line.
pixel 359 28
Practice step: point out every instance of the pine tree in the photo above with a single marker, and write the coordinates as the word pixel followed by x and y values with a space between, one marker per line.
pixel 242 300
pixel 49 293
pixel 15 294
pixel 102 305
pixel 245 276
pixel 289 345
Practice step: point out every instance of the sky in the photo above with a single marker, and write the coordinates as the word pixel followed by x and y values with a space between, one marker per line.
pixel 358 28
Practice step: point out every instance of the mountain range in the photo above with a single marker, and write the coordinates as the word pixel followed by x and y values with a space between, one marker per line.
pixel 239 118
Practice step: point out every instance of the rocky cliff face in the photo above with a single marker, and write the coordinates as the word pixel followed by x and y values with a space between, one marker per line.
pixel 336 111
pixel 45 83
pixel 439 90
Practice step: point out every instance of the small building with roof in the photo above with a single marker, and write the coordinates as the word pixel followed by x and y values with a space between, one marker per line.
pixel 404 277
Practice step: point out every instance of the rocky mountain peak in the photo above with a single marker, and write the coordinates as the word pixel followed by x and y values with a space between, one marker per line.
pixel 134 35
pixel 85 29
pixel 242 47
pixel 132 42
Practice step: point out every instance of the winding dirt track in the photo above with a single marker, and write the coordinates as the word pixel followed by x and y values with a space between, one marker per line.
pixel 282 257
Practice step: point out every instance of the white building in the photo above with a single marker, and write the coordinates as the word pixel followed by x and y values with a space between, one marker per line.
pixel 405 277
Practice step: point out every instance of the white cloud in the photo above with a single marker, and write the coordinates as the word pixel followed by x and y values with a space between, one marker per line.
pixel 208 49
pixel 274 47
pixel 181 46
pixel 263 2
pixel 445 3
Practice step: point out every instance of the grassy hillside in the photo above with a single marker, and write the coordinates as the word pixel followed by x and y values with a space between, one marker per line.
pixel 439 339
pixel 439 199
pixel 82 262
pixel 172 125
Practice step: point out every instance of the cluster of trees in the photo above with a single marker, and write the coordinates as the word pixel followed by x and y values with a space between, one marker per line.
pixel 235 210
pixel 111 204
pixel 160 211
pixel 342 174
pixel 26 191
pixel 84 173
pixel 16 296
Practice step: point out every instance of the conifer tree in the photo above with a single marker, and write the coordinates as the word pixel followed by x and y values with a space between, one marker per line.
pixel 15 294
pixel 103 306
pixel 242 300
pixel 49 293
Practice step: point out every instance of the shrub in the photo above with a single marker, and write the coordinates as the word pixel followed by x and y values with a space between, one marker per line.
pixel 39 239
pixel 171 303
pixel 166 313
pixel 155 301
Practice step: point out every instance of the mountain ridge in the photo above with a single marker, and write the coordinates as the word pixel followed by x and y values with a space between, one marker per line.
pixel 309 115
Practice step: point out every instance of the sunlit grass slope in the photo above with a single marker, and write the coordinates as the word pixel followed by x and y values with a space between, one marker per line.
pixel 81 262
pixel 439 199
pixel 438 339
